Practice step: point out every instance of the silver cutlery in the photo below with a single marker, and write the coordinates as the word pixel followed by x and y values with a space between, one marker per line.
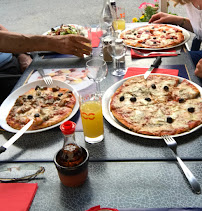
pixel 156 64
pixel 152 53
pixel 15 137
pixel 172 144
pixel 47 78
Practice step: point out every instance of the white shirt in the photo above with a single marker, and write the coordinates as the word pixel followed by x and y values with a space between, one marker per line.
pixel 195 16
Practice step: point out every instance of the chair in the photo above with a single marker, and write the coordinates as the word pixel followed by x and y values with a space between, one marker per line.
pixel 196 44
pixel 7 83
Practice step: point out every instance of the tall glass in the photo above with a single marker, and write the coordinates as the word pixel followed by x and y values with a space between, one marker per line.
pixel 117 50
pixel 97 71
pixel 119 19
pixel 92 118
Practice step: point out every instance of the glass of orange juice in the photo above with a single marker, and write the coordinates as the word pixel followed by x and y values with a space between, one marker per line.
pixel 92 118
pixel 119 20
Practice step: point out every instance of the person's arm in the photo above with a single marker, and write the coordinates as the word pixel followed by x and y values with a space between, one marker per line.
pixel 172 19
pixel 198 70
pixel 11 42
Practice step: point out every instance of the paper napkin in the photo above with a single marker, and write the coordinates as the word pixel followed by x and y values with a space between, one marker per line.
pixel 131 71
pixel 17 196
pixel 135 55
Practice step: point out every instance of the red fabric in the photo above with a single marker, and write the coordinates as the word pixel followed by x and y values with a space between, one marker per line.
pixel 135 55
pixel 98 208
pixel 96 38
pixel 131 71
pixel 17 196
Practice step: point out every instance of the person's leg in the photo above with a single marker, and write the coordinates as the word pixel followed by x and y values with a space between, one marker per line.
pixel 7 84
pixel 196 56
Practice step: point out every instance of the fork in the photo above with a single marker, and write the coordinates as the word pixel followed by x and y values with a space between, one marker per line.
pixel 157 52
pixel 172 144
pixel 47 78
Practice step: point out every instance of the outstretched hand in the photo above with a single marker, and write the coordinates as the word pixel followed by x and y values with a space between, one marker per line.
pixel 73 44
pixel 162 17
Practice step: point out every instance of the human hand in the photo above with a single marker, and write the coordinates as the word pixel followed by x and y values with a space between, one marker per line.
pixel 165 18
pixel 198 70
pixel 73 44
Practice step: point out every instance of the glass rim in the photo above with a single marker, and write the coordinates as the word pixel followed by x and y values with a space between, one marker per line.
pixel 94 65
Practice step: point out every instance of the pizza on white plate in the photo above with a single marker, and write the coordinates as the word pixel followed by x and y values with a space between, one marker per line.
pixel 157 106
pixel 155 36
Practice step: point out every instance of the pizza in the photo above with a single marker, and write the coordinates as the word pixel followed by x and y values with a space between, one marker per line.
pixel 47 106
pixel 155 36
pixel 159 105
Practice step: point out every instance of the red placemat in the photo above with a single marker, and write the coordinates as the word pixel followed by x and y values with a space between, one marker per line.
pixel 135 55
pixel 131 71
pixel 17 196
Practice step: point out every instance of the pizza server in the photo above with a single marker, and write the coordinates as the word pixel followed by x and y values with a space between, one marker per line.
pixel 156 64
pixel 15 137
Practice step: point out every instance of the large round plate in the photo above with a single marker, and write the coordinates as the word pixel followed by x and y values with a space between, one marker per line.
pixel 112 120
pixel 10 100
pixel 185 33
pixel 77 26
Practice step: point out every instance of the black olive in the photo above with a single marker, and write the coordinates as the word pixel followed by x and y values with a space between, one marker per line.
pixel 169 119
pixel 154 38
pixel 143 42
pixel 122 98
pixel 133 99
pixel 154 42
pixel 148 99
pixel 60 94
pixel 164 31
pixel 166 88
pixel 135 34
pixel 153 86
pixel 172 38
pixel 29 97
pixel 37 87
pixel 55 89
pixel 181 100
pixel 191 109
pixel 36 115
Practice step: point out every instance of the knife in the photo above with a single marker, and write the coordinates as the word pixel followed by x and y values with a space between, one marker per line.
pixel 156 63
pixel 15 137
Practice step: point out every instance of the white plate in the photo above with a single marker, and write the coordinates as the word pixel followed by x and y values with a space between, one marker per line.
pixel 77 26
pixel 10 100
pixel 185 33
pixel 112 120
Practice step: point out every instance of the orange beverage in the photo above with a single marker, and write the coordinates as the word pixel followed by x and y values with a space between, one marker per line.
pixel 92 120
pixel 119 24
